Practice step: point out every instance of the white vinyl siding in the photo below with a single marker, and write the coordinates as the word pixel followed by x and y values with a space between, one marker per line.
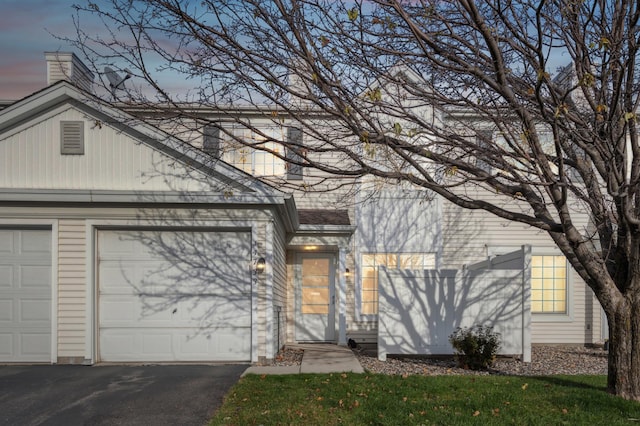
pixel 280 286
pixel 112 160
pixel 72 279
pixel 393 220
pixel 469 234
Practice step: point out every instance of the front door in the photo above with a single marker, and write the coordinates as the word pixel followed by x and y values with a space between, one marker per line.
pixel 315 298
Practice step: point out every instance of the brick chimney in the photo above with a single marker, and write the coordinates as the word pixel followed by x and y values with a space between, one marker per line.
pixel 67 66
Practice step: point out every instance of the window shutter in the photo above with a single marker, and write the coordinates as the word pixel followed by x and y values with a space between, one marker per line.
pixel 72 137
pixel 484 139
pixel 294 171
pixel 211 140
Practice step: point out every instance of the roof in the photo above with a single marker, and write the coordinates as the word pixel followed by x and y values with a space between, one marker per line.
pixel 62 91
pixel 323 217
pixel 246 188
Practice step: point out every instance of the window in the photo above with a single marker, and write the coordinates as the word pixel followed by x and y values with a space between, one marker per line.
pixel 369 270
pixel 256 161
pixel 548 284
pixel 512 147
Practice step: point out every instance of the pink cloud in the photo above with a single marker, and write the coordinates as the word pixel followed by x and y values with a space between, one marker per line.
pixel 19 79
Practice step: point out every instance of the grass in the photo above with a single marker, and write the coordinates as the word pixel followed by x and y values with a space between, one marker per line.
pixel 373 399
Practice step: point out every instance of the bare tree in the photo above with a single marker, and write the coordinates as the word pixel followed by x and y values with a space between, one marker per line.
pixel 417 91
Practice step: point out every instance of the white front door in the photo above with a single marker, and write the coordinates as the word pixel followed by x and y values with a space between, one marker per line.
pixel 174 295
pixel 315 298
pixel 25 295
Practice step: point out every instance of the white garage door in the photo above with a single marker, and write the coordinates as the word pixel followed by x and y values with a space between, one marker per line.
pixel 25 295
pixel 174 296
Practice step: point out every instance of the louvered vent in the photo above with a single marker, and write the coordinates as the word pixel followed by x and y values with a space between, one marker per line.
pixel 72 137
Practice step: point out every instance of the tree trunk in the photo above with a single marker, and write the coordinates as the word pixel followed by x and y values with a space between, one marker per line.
pixel 624 350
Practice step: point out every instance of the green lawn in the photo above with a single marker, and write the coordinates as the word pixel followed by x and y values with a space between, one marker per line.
pixel 373 399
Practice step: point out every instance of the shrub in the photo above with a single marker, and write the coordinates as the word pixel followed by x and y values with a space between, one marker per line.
pixel 475 347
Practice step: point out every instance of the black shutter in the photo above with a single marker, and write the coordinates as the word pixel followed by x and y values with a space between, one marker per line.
pixel 294 138
pixel 484 139
pixel 211 140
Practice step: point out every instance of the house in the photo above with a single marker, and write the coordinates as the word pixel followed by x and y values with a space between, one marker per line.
pixel 121 242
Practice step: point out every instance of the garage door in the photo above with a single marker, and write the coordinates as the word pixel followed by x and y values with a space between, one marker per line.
pixel 25 295
pixel 174 296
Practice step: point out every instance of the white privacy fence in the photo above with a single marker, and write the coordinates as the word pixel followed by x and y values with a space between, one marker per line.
pixel 418 310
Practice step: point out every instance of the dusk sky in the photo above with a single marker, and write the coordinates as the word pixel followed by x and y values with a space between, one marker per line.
pixel 28 29
pixel 26 34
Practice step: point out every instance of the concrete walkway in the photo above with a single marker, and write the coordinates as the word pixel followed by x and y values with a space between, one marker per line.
pixel 317 358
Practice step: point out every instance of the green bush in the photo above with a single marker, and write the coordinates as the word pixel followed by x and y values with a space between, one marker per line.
pixel 475 347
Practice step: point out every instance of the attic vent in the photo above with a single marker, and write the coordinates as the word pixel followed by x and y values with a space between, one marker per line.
pixel 72 137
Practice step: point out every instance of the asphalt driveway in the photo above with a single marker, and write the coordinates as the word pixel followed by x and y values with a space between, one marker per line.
pixel 113 395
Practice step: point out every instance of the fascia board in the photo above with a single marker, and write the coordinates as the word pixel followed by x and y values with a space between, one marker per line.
pixel 326 229
pixel 146 197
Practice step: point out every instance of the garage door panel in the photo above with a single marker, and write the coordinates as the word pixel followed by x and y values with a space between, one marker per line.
pixel 115 310
pixel 119 277
pixel 212 311
pixel 157 345
pixel 25 295
pixel 6 346
pixel 35 242
pixel 116 243
pixel 34 344
pixel 6 241
pixel 229 344
pixel 6 311
pixel 114 345
pixel 6 277
pixel 155 312
pixel 35 312
pixel 35 276
pixel 155 277
pixel 174 296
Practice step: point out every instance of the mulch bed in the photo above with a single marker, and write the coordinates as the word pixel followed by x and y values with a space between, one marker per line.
pixel 545 360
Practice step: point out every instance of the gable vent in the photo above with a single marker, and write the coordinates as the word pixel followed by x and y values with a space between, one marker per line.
pixel 72 137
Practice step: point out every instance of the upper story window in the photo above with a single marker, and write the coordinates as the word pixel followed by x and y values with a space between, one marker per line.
pixel 242 148
pixel 257 151
pixel 248 156
pixel 511 148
